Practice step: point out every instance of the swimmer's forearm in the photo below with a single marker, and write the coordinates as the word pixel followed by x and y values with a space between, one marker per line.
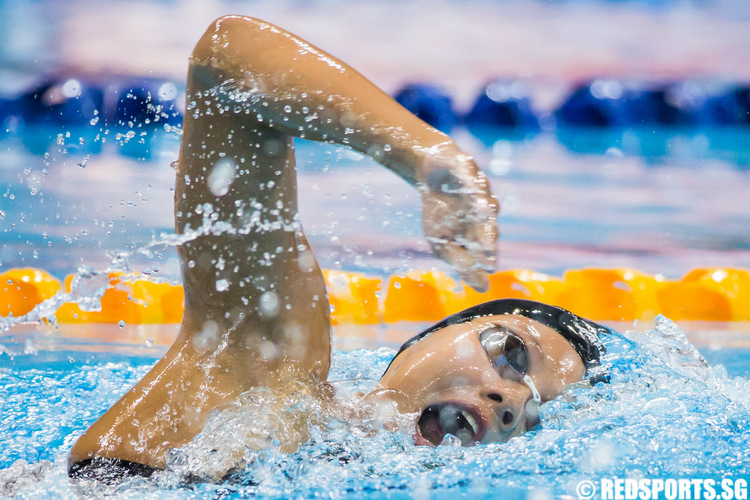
pixel 301 91
pixel 265 78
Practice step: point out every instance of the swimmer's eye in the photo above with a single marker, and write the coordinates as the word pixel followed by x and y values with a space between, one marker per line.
pixel 507 352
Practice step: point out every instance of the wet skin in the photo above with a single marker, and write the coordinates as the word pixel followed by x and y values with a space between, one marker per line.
pixel 256 310
pixel 450 370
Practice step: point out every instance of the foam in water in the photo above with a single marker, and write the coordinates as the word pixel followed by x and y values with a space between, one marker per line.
pixel 665 413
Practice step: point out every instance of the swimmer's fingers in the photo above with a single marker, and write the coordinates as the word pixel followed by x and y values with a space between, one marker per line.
pixel 461 226
pixel 465 264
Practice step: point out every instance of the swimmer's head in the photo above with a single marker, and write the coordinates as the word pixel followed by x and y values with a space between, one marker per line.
pixel 481 373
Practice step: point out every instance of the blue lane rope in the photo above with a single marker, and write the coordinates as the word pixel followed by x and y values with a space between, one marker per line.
pixel 501 110
pixel 97 102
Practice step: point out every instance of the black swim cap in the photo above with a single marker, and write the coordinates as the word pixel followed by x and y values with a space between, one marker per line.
pixel 582 334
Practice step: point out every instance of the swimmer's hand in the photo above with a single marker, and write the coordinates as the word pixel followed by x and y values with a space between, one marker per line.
pixel 459 216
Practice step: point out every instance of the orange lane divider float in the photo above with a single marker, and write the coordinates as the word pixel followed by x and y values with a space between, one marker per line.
pixel 710 294
pixel 22 289
pixel 130 300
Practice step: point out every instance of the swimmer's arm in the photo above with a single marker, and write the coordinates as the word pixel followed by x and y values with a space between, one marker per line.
pixel 304 92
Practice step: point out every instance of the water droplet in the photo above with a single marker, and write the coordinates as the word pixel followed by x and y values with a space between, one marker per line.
pixel 29 348
pixel 306 261
pixel 267 350
pixel 71 88
pixel 221 177
pixel 222 285
pixel 269 305
pixel 167 91
pixel 208 337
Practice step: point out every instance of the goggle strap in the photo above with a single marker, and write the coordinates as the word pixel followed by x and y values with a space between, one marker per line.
pixel 534 393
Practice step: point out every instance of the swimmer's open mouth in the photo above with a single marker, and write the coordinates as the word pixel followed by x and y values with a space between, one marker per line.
pixel 457 419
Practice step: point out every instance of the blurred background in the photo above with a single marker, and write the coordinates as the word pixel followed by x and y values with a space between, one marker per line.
pixel 457 44
pixel 616 134
pixel 613 131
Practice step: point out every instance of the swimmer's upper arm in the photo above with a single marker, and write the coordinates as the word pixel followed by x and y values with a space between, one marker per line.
pixel 299 90
pixel 302 91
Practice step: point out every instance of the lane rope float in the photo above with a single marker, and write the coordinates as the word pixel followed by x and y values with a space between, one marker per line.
pixel 703 294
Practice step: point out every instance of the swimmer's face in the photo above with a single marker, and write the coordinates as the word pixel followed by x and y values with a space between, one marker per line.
pixel 458 382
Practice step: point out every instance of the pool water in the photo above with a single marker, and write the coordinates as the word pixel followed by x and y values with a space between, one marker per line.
pixel 660 200
pixel 664 414
pixel 564 206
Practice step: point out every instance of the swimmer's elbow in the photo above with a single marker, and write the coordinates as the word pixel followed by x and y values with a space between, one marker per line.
pixel 224 34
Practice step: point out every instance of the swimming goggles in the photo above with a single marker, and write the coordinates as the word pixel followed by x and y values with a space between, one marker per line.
pixel 510 357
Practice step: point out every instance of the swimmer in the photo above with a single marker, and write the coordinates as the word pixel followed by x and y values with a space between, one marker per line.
pixel 256 309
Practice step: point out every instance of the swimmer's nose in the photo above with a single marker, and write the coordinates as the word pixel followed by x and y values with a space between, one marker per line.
pixel 508 420
pixel 509 416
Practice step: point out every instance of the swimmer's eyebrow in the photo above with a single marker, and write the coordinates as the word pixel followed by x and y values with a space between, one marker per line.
pixel 522 333
pixel 532 338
